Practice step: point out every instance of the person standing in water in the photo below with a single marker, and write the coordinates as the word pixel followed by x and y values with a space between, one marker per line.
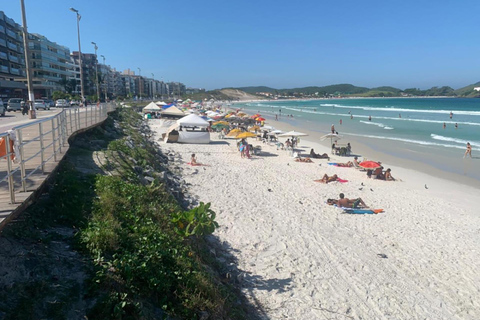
pixel 369 118
pixel 444 125
pixel 451 114
pixel 468 151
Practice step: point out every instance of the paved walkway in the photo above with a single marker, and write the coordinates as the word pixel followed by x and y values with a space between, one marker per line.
pixel 27 176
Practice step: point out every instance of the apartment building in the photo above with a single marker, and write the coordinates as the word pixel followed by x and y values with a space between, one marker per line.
pixel 51 66
pixel 12 59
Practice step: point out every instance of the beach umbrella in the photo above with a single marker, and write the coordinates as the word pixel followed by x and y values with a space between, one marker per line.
pixel 220 126
pixel 234 132
pixel 254 128
pixel 241 114
pixel 260 119
pixel 292 134
pixel 244 135
pixel 332 136
pixel 221 122
pixel 369 164
pixel 255 116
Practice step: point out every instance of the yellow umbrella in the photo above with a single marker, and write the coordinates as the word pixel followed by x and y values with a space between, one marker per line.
pixel 234 132
pixel 244 135
pixel 254 128
pixel 241 114
pixel 221 122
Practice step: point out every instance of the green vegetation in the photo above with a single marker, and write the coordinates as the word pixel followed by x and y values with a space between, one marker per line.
pixel 142 255
pixel 354 91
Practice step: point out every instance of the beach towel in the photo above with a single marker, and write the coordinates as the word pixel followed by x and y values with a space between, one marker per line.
pixel 197 164
pixel 361 211
pixel 341 180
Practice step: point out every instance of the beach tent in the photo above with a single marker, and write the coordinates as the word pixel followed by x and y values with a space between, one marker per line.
pixel 189 129
pixel 173 112
pixel 151 107
pixel 160 103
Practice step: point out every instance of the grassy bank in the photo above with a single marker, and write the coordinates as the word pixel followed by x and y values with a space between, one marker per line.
pixel 110 241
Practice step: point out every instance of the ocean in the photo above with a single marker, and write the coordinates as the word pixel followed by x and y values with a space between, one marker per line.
pixel 418 129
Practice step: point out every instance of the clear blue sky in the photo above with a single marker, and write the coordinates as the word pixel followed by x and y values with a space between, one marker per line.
pixel 277 43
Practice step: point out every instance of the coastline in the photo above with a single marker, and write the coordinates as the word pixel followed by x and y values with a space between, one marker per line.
pixel 385 152
pixel 300 258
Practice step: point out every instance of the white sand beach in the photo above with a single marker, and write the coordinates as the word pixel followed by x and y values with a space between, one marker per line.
pixel 303 259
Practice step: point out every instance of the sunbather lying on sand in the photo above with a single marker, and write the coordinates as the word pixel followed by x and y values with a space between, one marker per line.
pixel 318 156
pixel 303 160
pixel 327 179
pixel 350 203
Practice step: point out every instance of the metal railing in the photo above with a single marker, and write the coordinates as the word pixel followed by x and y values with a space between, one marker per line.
pixel 28 148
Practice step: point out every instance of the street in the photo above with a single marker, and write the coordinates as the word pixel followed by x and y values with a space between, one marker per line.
pixel 15 118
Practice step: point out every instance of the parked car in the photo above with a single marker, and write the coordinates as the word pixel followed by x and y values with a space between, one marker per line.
pixel 62 103
pixel 41 104
pixel 74 103
pixel 15 104
pixel 2 108
pixel 50 103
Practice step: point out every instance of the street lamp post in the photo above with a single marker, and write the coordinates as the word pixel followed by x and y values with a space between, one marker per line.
pixel 31 96
pixel 153 84
pixel 82 93
pixel 96 71
pixel 105 78
pixel 140 82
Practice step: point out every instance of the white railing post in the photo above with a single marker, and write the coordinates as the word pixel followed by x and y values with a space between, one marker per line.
pixel 11 186
pixel 42 148
pixel 22 162
pixel 53 142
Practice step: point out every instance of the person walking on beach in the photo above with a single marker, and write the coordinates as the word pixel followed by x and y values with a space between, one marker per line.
pixel 340 121
pixel 333 128
pixel 351 116
pixel 468 151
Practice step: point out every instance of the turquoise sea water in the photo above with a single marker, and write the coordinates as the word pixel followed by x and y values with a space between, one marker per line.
pixel 411 127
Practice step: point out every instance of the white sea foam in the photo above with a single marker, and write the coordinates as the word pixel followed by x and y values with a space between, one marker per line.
pixel 381 125
pixel 455 140
pixel 420 142
pixel 394 109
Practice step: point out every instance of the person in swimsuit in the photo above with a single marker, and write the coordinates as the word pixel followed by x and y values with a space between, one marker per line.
pixel 327 179
pixel 388 175
pixel 351 203
pixel 468 151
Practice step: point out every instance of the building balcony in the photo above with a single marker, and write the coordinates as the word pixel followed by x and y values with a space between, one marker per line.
pixel 3 43
pixel 10 21
pixel 3 55
pixel 4 69
pixel 12 34
pixel 15 71
pixel 13 58
pixel 12 46
pixel 2 29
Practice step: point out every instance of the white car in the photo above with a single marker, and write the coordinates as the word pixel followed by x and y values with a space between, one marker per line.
pixel 41 104
pixel 62 103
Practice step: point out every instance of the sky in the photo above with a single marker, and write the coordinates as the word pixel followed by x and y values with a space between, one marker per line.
pixel 215 44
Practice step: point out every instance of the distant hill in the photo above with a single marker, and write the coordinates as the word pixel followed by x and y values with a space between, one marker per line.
pixel 352 90
pixel 223 94
pixel 468 91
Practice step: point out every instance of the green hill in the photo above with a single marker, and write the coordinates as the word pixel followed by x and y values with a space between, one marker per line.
pixel 468 91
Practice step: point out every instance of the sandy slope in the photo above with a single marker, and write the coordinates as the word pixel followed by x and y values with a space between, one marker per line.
pixel 303 259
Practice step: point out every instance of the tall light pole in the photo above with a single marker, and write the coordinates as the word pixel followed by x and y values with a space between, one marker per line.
pixel 80 55
pixel 153 84
pixel 31 96
pixel 96 71
pixel 140 82
pixel 105 78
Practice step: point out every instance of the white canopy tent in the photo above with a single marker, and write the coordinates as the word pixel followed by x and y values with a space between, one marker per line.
pixel 160 103
pixel 151 107
pixel 172 111
pixel 191 129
